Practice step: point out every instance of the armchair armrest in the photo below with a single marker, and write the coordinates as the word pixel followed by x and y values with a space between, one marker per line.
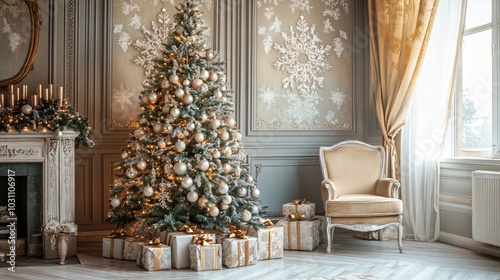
pixel 387 187
pixel 327 190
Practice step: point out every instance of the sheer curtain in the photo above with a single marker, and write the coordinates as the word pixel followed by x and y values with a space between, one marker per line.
pixel 423 136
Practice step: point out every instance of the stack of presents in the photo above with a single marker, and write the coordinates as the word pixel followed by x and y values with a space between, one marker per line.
pixel 190 247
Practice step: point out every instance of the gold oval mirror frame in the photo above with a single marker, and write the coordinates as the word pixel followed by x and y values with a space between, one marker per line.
pixel 17 52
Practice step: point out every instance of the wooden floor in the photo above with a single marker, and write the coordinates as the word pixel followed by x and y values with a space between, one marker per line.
pixel 350 257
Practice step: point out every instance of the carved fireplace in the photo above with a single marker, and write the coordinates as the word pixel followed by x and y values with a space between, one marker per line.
pixel 55 151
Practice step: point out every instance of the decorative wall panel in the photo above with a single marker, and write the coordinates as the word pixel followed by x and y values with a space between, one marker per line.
pixel 303 65
pixel 138 28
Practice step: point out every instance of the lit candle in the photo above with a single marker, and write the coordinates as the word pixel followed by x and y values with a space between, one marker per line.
pixel 34 100
pixel 10 100
pixel 18 94
pixel 2 100
pixel 25 92
pixel 60 96
pixel 46 95
pixel 39 92
pixel 11 89
pixel 51 90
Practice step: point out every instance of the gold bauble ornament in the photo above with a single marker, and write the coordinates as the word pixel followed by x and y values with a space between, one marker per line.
pixel 196 84
pixel 209 54
pixel 213 211
pixel 161 144
pixel 188 99
pixel 157 128
pixel 152 97
pixel 213 77
pixel 163 83
pixel 141 165
pixel 174 79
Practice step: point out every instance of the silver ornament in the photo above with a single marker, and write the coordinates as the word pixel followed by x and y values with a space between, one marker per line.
pixel 255 193
pixel 190 126
pixel 224 206
pixel 186 83
pixel 199 137
pixel 216 154
pixel 192 196
pixel 27 109
pixel 174 79
pixel 141 165
pixel 175 112
pixel 223 188
pixel 215 123
pixel 115 202
pixel 131 172
pixel 180 146
pixel 157 128
pixel 148 191
pixel 203 117
pixel 58 133
pixel 180 168
pixel 204 74
pixel 204 165
pixel 179 92
pixel 226 167
pixel 186 182
pixel 226 199
pixel 168 128
pixel 188 99
pixel 152 97
pixel 246 216
pixel 249 179
pixel 242 191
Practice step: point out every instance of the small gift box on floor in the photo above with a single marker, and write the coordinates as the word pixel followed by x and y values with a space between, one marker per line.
pixel 269 240
pixel 238 249
pixel 154 256
pixel 112 246
pixel 179 242
pixel 204 255
pixel 131 248
pixel 322 229
pixel 300 235
pixel 299 208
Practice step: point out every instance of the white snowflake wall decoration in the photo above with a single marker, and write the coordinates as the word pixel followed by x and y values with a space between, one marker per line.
pixel 268 44
pixel 338 97
pixel 300 5
pixel 276 26
pixel 122 96
pixel 135 22
pixel 327 26
pixel 129 7
pixel 332 119
pixel 269 13
pixel 124 41
pixel 267 96
pixel 302 110
pixel 302 58
pixel 261 30
pixel 338 47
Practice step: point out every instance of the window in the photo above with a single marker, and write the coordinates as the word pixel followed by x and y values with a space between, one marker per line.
pixel 475 121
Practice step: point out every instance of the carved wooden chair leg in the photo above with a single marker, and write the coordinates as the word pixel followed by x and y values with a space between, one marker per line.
pixel 381 235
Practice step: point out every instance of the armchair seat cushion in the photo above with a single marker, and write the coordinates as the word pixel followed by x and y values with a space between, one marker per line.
pixel 363 205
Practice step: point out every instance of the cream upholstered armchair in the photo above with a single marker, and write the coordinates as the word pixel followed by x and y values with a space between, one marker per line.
pixel 355 193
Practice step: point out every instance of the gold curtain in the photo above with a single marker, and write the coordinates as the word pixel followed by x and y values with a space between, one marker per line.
pixel 399 32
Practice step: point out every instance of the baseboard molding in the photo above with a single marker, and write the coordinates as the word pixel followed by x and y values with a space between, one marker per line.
pixel 470 244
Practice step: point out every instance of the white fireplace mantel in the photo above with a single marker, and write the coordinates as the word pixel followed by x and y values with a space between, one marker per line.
pixel 56 151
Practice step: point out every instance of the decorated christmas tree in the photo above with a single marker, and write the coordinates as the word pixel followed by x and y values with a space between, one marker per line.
pixel 185 162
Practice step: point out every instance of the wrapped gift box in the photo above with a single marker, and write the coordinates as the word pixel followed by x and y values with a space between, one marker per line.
pixel 131 248
pixel 154 257
pixel 269 242
pixel 179 242
pixel 322 229
pixel 205 257
pixel 239 251
pixel 307 209
pixel 113 247
pixel 300 235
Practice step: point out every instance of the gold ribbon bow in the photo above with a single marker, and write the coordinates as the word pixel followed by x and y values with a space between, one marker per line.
pixel 117 233
pixel 296 217
pixel 190 229
pixel 154 241
pixel 300 201
pixel 265 222
pixel 236 233
pixel 202 239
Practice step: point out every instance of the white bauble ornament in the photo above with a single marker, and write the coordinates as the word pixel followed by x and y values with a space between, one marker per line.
pixel 218 94
pixel 175 112
pixel 224 206
pixel 223 99
pixel 199 137
pixel 215 123
pixel 190 126
pixel 131 172
pixel 216 154
pixel 255 193
pixel 202 202
pixel 249 179
pixel 161 144
pixel 203 117
pixel 168 128
pixel 230 122
pixel 188 99
pixel 227 151
pixel 209 54
pixel 242 191
pixel 246 216
pixel 213 211
pixel 115 202
pixel 227 168
pixel 204 165
pixel 222 78
pixel 223 88
pixel 204 74
pixel 144 99
pixel 157 128
pixel 186 83
pixel 186 182
pixel 148 191
pixel 143 121
pixel 174 79
pixel 196 84
pixel 179 93
pixel 204 88
pixel 254 209
pixel 163 83
pixel 226 199
pixel 152 97
pixel 180 168
pixel 165 109
pixel 141 165
pixel 180 146
pixel 223 135
pixel 192 196
pixel 237 172
pixel 27 109
pixel 223 188
pixel 212 77
pixel 124 155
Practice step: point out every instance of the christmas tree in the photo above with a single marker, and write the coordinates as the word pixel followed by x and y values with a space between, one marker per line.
pixel 185 162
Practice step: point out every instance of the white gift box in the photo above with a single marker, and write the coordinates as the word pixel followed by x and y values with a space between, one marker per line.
pixel 306 209
pixel 205 257
pixel 131 248
pixel 154 257
pixel 239 251
pixel 300 235
pixel 179 242
pixel 269 242
pixel 113 248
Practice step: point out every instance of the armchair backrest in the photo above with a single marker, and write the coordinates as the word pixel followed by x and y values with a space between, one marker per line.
pixel 353 166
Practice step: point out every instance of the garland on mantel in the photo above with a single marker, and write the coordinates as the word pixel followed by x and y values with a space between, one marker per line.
pixel 48 116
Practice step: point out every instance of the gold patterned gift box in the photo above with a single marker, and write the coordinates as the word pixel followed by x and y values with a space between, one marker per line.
pixel 154 257
pixel 131 248
pixel 207 257
pixel 300 235
pixel 299 208
pixel 322 229
pixel 269 241
pixel 179 242
pixel 113 247
pixel 239 251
